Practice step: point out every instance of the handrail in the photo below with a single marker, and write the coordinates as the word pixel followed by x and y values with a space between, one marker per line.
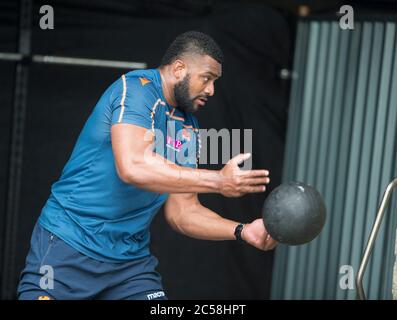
pixel 372 238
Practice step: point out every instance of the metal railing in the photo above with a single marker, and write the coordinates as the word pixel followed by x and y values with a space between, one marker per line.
pixel 372 238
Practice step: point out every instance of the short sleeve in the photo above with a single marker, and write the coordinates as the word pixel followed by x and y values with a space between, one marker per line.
pixel 132 102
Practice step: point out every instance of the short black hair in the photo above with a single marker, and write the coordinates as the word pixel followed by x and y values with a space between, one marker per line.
pixel 192 42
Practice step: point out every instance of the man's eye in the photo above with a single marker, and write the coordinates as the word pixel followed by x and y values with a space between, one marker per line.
pixel 206 79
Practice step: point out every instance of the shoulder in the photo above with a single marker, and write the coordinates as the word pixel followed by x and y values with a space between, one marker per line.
pixel 134 86
pixel 139 82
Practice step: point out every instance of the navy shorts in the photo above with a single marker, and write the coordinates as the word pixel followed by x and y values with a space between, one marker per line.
pixel 54 270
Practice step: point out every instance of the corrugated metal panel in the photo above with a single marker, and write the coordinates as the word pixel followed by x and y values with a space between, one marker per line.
pixel 342 136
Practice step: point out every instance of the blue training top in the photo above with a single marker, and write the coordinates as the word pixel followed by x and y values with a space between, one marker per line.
pixel 90 207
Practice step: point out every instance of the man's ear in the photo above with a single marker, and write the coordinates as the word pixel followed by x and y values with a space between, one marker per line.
pixel 179 69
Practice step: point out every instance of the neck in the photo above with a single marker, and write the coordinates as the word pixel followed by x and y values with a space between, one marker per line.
pixel 167 84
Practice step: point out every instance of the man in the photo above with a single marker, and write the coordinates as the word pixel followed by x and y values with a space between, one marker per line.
pixel 137 151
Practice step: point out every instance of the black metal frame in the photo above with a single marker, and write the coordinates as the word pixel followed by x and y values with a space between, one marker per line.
pixel 23 59
pixel 8 270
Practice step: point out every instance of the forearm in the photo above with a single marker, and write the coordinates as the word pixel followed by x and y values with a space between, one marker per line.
pixel 202 223
pixel 160 175
pixel 185 214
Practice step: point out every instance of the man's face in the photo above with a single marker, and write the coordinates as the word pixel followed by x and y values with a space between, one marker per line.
pixel 192 92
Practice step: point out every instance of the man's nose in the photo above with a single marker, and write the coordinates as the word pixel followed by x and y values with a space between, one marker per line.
pixel 209 89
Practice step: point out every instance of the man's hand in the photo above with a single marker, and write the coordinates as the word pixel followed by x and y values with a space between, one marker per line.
pixel 255 234
pixel 236 182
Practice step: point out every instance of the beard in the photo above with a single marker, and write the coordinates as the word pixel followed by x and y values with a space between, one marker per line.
pixel 182 96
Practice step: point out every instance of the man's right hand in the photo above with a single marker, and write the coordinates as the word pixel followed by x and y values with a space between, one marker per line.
pixel 236 182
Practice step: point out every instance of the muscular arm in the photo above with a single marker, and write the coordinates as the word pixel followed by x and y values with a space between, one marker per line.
pixel 186 215
pixel 136 164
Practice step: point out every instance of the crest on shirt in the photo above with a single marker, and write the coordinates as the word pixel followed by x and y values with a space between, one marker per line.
pixel 185 134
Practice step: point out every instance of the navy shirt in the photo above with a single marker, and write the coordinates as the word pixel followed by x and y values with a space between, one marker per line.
pixel 90 207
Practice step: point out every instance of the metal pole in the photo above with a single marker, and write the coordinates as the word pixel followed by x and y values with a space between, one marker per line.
pixel 9 273
pixel 372 238
pixel 71 61
pixel 10 56
pixel 88 62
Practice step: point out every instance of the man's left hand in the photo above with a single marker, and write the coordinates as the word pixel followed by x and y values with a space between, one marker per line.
pixel 255 234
